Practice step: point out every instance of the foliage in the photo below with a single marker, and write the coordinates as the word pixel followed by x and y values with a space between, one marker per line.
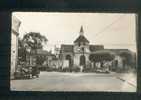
pixel 75 69
pixel 21 51
pixel 34 41
pixel 88 69
pixel 30 43
pixel 100 57
pixel 40 60
pixel 128 58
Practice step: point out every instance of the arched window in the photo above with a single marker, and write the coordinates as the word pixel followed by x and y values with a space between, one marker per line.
pixel 68 57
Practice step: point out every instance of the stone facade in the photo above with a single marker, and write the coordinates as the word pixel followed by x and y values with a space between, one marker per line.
pixel 81 51
pixel 78 53
pixel 14 44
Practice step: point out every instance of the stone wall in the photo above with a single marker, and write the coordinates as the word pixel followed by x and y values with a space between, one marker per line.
pixel 14 44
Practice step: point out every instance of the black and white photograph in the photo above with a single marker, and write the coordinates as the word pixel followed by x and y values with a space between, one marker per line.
pixel 73 52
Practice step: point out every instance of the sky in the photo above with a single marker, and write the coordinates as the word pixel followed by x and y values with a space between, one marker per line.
pixel 113 30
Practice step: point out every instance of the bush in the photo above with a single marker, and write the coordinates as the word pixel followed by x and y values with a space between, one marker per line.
pixel 59 69
pixel 75 69
pixel 88 69
pixel 71 69
pixel 67 69
pixel 49 69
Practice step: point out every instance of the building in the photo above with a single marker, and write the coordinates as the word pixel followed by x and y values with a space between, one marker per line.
pixel 78 53
pixel 124 59
pixel 14 44
pixel 39 57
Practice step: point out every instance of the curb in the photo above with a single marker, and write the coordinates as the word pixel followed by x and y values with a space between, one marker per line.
pixel 126 81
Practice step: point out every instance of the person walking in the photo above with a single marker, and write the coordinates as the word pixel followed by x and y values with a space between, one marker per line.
pixel 81 68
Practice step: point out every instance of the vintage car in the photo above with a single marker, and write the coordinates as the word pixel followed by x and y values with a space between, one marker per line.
pixel 102 70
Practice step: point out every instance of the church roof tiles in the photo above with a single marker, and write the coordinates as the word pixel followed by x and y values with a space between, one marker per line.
pixel 81 38
pixel 96 47
pixel 66 48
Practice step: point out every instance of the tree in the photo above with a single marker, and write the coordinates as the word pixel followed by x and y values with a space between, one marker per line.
pixel 21 52
pixel 40 60
pixel 100 57
pixel 128 58
pixel 34 41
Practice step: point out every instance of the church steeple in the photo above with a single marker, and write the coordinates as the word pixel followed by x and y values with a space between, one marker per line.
pixel 81 37
pixel 81 31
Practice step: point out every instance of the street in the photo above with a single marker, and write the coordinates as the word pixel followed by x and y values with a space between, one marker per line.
pixel 59 81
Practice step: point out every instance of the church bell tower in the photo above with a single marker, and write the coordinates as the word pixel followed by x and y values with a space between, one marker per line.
pixel 81 49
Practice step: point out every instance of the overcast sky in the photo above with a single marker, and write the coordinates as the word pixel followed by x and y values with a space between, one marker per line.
pixel 114 31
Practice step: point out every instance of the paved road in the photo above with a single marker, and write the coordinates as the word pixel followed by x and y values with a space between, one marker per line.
pixel 57 81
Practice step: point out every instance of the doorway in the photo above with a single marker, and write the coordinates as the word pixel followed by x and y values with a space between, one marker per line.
pixel 82 60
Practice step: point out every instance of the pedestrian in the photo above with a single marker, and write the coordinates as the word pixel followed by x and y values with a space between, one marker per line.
pixel 81 68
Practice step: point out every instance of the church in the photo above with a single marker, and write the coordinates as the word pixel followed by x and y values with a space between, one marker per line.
pixel 78 53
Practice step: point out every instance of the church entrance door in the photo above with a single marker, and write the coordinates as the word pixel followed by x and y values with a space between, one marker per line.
pixel 82 60
pixel 68 57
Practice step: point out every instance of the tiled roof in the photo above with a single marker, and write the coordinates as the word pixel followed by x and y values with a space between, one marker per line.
pixel 44 52
pixel 118 50
pixel 114 51
pixel 96 47
pixel 81 38
pixel 66 48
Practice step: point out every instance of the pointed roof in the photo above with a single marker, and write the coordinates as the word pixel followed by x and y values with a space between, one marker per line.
pixel 81 37
pixel 81 31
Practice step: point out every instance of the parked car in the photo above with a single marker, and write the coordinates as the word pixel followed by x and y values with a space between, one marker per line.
pixel 102 70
